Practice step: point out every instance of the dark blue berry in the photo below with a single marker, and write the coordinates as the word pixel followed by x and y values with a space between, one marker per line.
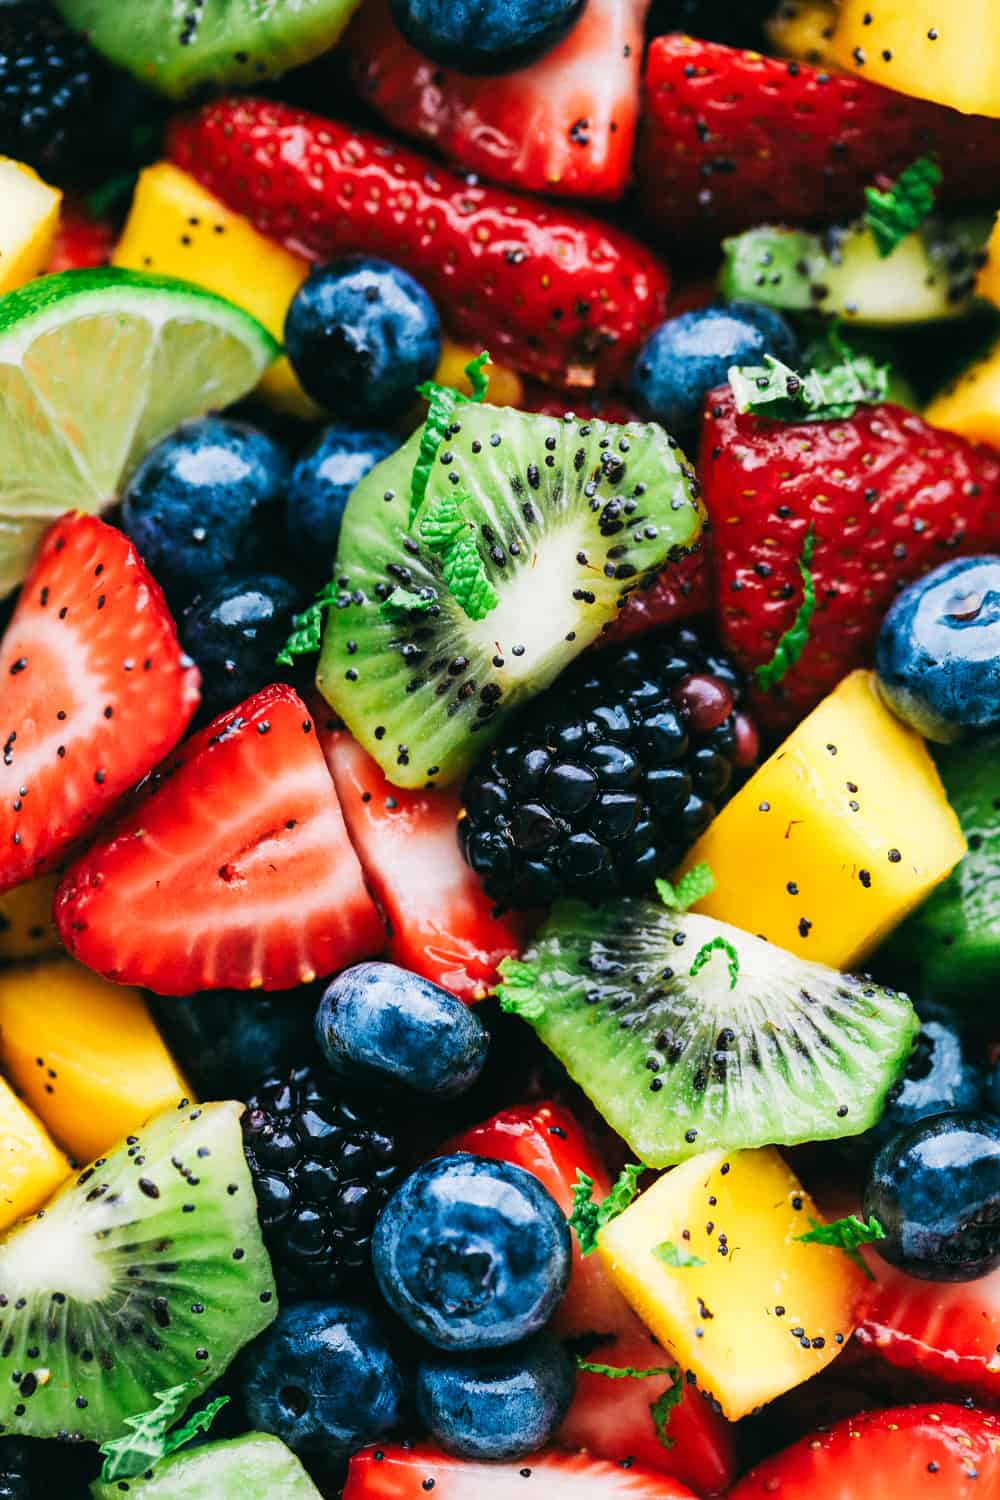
pixel 223 1039
pixel 485 36
pixel 382 1026
pixel 471 1253
pixel 323 1378
pixel 235 631
pixel 938 656
pixel 321 484
pixel 935 1189
pixel 362 335
pixel 688 356
pixel 993 1091
pixel 505 1404
pixel 204 502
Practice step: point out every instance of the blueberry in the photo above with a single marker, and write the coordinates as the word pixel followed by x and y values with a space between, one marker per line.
pixel 993 1090
pixel 485 36
pixel 234 632
pixel 938 655
pixel 223 1038
pixel 471 1253
pixel 935 1189
pixel 688 356
pixel 323 1378
pixel 203 503
pixel 362 335
pixel 381 1026
pixel 321 484
pixel 500 1405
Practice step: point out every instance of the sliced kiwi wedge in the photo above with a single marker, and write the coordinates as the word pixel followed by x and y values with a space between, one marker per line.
pixel 145 1271
pixel 255 1466
pixel 689 1034
pixel 565 519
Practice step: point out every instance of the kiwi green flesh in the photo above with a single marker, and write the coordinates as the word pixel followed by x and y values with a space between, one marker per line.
pixel 569 517
pixel 130 1280
pixel 929 276
pixel 679 1064
pixel 181 48
pixel 255 1466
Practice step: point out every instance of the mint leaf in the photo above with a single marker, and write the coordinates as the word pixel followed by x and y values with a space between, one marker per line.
pixel 307 628
pixel 518 990
pixel 201 1421
pixel 442 401
pixel 402 602
pixel 775 390
pixel 445 530
pixel 897 212
pixel 662 1407
pixel 792 644
pixel 149 1440
pixel 659 1409
pixel 478 379
pixel 717 945
pixel 587 1217
pixel 622 1372
pixel 696 883
pixel 846 1234
pixel 676 1256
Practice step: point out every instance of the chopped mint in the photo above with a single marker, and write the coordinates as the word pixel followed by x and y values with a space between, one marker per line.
pixel 717 945
pixel 847 1235
pixel 897 212
pixel 307 628
pixel 131 1455
pixel 676 1256
pixel 405 602
pixel 622 1372
pixel 445 530
pixel 519 990
pixel 775 390
pixel 692 886
pixel 792 644
pixel 441 403
pixel 661 1409
pixel 588 1217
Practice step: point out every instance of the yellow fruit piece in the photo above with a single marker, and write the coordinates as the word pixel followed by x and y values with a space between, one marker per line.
pixel 506 387
pixel 177 228
pixel 29 218
pixel 31 1168
pixel 971 405
pixel 84 1054
pixel 988 283
pixel 803 28
pixel 729 1321
pixel 26 926
pixel 945 50
pixel 838 836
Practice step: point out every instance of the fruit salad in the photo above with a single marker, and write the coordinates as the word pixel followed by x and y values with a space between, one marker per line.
pixel 500 722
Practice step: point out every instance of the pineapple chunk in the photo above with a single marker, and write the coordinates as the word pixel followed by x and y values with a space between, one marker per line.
pixel 945 50
pixel 29 218
pixel 761 1312
pixel 26 926
pixel 846 828
pixel 84 1054
pixel 31 1168
pixel 803 28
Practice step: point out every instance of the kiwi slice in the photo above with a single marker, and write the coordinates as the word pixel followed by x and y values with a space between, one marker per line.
pixel 181 48
pixel 689 1034
pixel 255 1466
pixel 146 1270
pixel 564 518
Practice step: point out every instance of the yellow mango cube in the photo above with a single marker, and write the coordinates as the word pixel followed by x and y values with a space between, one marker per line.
pixel 945 50
pixel 84 1054
pixel 31 1167
pixel 803 28
pixel 26 926
pixel 29 218
pixel 971 405
pixel 710 1260
pixel 837 837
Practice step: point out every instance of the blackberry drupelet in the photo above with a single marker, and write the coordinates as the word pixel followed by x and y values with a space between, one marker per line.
pixel 50 81
pixel 610 777
pixel 322 1169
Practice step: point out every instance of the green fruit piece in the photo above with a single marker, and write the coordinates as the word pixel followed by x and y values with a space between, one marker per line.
pixel 256 1466
pixel 129 1281
pixel 563 518
pixel 179 47
pixel 689 1034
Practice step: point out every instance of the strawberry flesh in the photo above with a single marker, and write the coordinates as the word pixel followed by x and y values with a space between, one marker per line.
pixel 82 239
pixel 396 1472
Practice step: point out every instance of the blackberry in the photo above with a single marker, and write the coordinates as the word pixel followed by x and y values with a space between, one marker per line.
pixel 50 81
pixel 610 777
pixel 15 1481
pixel 322 1169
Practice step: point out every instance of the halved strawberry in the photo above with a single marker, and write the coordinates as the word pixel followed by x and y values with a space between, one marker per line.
pixel 441 921
pixel 411 1473
pixel 233 869
pixel 96 690
pixel 82 238
pixel 565 125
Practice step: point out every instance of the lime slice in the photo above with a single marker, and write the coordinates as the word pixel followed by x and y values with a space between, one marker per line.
pixel 95 366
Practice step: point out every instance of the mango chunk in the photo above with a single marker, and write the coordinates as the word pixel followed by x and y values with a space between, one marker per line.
pixel 971 405
pixel 710 1260
pixel 803 28
pixel 29 218
pixel 945 50
pixel 26 926
pixel 838 836
pixel 84 1054
pixel 31 1166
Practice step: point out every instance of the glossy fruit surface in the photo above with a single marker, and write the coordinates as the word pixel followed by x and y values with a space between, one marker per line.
pixel 503 1404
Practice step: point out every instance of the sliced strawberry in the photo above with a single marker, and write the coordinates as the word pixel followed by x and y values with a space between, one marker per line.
pixel 441 921
pixel 542 398
pixel 682 590
pixel 96 691
pixel 548 290
pixel 731 139
pixel 411 1473
pixel 564 125
pixel 233 870
pixel 82 238
pixel 915 1452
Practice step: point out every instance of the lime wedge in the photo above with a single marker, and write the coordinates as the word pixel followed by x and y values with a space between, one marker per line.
pixel 95 366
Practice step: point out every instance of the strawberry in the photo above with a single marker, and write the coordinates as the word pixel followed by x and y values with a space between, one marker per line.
pixel 551 292
pixel 409 1473
pixel 82 239
pixel 96 691
pixel 920 1452
pixel 232 870
pixel 732 139
pixel 889 498
pixel 564 125
pixel 440 920
pixel 682 590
